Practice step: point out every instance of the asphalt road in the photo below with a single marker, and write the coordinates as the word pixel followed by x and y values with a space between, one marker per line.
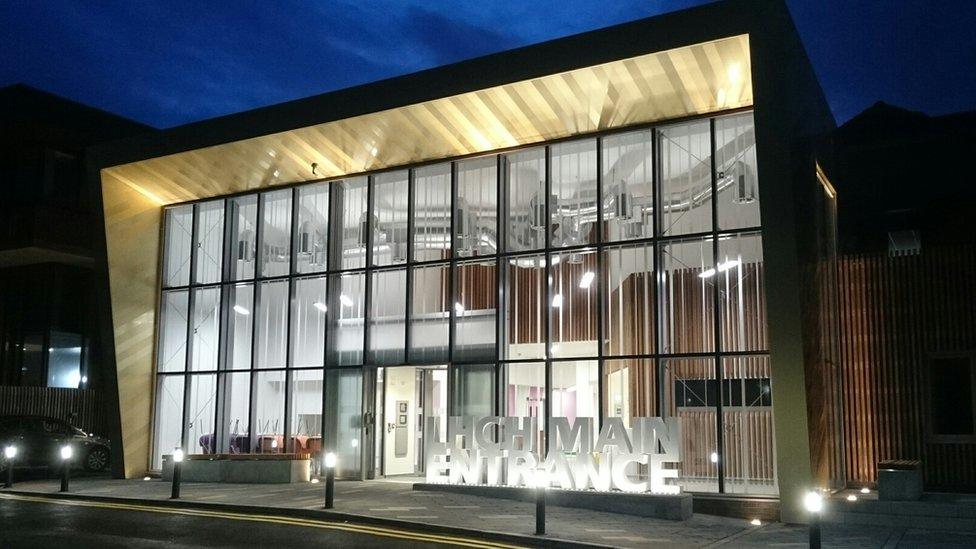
pixel 36 522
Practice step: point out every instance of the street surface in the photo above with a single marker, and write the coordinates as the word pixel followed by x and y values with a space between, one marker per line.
pixel 36 522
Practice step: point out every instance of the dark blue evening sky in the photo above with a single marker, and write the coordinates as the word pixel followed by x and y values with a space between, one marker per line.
pixel 173 62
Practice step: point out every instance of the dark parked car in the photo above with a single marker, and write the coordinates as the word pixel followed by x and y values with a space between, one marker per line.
pixel 39 441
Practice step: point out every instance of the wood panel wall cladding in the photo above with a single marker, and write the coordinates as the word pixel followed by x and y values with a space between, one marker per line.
pixel 896 315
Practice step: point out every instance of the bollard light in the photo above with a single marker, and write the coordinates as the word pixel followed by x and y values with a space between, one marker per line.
pixel 330 462
pixel 813 502
pixel 177 469
pixel 541 481
pixel 865 490
pixel 66 453
pixel 10 452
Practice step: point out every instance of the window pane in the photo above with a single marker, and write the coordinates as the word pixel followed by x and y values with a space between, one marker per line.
pixel 64 361
pixel 346 296
pixel 686 178
pixel 232 423
pixel 432 213
pixel 525 396
pixel 272 319
pixel 312 229
pixel 269 412
pixel 344 419
pixel 742 292
pixel 472 389
pixel 206 329
pixel 390 218
pixel 951 396
pixel 750 456
pixel 572 207
pixel 573 306
pixel 525 296
pixel 628 196
pixel 575 391
pixel 242 213
pixel 308 317
pixel 176 247
pixel 350 223
pixel 477 207
pixel 629 308
pixel 631 387
pixel 525 201
pixel 200 417
pixel 737 179
pixel 240 303
pixel 687 283
pixel 387 316
pixel 276 233
pixel 169 417
pixel 690 394
pixel 476 302
pixel 429 314
pixel 209 242
pixel 173 316
pixel 306 412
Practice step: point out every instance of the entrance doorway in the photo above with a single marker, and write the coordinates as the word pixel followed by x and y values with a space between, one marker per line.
pixel 405 397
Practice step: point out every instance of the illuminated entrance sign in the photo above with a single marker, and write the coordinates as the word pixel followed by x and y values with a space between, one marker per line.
pixel 498 450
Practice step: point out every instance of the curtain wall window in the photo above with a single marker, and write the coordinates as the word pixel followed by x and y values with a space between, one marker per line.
pixel 617 275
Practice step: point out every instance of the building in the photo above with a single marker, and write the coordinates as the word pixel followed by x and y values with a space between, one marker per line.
pixel 627 222
pixel 50 339
pixel 907 314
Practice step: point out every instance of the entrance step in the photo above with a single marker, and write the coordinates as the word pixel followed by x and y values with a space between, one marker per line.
pixel 932 512
pixel 672 507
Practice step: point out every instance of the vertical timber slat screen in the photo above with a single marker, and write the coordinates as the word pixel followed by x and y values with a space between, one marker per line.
pixel 80 407
pixel 896 312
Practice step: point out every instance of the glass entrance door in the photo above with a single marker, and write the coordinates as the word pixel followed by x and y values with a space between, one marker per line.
pixel 410 395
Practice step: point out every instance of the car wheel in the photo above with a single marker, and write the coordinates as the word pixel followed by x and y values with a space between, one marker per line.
pixel 97 459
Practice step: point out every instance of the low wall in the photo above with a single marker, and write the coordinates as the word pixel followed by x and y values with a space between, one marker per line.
pixel 676 507
pixel 240 470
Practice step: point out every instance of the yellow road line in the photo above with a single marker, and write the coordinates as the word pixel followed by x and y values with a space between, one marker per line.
pixel 290 521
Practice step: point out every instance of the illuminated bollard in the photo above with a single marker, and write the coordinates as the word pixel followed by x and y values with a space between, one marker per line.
pixel 541 483
pixel 177 467
pixel 814 505
pixel 330 463
pixel 10 452
pixel 66 453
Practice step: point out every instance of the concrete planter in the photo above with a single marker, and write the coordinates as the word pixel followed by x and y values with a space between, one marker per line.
pixel 240 471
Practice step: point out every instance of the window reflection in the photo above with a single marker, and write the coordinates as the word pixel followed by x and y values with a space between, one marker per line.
pixel 628 195
pixel 429 314
pixel 476 208
pixel 242 212
pixel 573 204
pixel 347 295
pixel 573 304
pixel 387 314
pixel 209 242
pixel 275 247
pixel 390 218
pixel 312 229
pixel 686 178
pixel 525 199
pixel 432 213
pixel 351 223
pixel 178 223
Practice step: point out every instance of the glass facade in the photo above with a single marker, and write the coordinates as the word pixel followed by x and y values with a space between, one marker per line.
pixel 611 276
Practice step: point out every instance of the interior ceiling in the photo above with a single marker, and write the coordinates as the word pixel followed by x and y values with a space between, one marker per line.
pixel 686 81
